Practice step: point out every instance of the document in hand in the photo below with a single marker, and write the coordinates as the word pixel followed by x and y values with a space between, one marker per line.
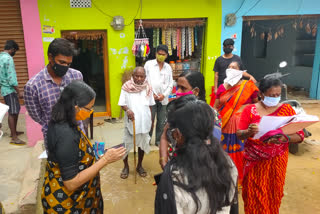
pixel 289 125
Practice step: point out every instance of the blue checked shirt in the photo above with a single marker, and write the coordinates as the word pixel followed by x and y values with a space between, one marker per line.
pixel 41 93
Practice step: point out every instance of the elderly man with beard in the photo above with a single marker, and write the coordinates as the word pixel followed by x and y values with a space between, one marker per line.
pixel 136 99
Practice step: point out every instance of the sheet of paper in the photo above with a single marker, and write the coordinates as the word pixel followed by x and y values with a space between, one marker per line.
pixel 43 155
pixel 269 123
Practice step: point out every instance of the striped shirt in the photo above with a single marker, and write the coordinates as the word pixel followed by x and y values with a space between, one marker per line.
pixel 41 93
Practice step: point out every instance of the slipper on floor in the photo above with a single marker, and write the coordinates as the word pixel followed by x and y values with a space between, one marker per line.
pixel 18 142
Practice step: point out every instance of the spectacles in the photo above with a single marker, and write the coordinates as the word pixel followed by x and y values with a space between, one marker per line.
pixel 88 109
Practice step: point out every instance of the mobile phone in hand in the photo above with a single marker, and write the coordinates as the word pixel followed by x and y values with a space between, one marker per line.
pixel 115 147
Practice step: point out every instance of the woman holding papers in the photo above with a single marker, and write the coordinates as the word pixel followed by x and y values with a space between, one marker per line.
pixel 72 181
pixel 232 96
pixel 265 159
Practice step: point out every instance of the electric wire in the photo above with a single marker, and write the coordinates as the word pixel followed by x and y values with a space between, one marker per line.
pixel 140 7
pixel 258 1
pixel 101 11
pixel 240 7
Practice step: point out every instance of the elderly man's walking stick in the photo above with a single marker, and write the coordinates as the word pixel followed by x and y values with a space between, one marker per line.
pixel 134 151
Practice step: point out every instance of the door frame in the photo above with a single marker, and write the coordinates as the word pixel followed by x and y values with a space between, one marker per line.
pixel 105 65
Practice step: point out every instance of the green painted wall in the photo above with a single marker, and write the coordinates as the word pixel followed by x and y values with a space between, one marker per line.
pixel 58 13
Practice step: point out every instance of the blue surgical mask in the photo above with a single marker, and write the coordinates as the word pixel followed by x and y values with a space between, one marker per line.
pixel 271 101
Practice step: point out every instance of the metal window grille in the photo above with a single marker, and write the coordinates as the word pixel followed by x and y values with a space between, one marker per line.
pixel 80 3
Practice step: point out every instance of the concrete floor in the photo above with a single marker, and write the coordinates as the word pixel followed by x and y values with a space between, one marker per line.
pixel 13 163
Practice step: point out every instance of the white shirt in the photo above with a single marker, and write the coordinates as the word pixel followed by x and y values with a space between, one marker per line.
pixel 161 81
pixel 138 103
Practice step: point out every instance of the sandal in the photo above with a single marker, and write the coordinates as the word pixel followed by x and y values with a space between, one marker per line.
pixel 141 172
pixel 18 133
pixel 18 142
pixel 125 173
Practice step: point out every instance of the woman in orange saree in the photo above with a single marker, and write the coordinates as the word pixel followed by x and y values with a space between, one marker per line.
pixel 232 96
pixel 265 159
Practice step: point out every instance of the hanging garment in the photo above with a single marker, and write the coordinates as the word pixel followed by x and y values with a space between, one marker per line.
pixel 192 40
pixel 179 43
pixel 154 41
pixel 141 49
pixel 147 49
pixel 189 41
pixel 174 38
pixel 163 36
pixel 169 39
pixel 196 36
pixel 183 42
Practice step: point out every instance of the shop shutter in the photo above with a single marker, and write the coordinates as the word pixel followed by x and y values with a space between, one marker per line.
pixel 11 28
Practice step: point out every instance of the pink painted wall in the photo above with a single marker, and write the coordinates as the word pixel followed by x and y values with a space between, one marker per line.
pixel 35 57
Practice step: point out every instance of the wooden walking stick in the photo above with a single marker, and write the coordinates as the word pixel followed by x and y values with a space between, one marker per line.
pixel 134 151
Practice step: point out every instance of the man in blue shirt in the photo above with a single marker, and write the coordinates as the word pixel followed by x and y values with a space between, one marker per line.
pixel 9 88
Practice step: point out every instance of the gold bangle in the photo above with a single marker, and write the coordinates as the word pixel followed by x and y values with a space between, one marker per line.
pixel 104 159
pixel 162 158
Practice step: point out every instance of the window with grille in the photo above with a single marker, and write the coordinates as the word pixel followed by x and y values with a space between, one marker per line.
pixel 80 3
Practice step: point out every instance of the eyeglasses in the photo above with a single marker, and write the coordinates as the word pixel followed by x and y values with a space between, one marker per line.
pixel 88 109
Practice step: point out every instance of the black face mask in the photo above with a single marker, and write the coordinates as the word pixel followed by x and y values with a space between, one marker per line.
pixel 13 53
pixel 60 70
pixel 227 50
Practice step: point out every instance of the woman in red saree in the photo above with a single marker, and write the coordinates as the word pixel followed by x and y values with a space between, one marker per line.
pixel 265 159
pixel 231 98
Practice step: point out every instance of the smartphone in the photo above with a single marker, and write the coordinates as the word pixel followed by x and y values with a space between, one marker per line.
pixel 115 147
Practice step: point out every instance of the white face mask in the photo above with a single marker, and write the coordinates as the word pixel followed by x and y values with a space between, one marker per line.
pixel 271 101
pixel 233 76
